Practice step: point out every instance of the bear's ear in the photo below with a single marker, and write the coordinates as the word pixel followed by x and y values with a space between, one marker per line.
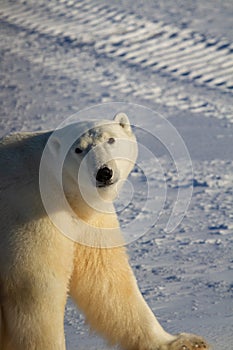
pixel 123 120
pixel 54 145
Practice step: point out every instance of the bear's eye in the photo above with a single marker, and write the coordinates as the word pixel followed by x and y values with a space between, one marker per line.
pixel 111 140
pixel 78 150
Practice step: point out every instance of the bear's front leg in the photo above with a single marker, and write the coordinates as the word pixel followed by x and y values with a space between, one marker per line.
pixel 33 313
pixel 104 287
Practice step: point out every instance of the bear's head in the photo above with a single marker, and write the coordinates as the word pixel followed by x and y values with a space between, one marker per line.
pixel 98 162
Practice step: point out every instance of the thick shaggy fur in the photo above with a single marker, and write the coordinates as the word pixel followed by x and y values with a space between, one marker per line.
pixel 40 267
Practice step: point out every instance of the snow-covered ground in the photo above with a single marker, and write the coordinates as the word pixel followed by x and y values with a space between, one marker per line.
pixel 175 57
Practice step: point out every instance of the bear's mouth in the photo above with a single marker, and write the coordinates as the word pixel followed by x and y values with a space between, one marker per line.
pixel 104 184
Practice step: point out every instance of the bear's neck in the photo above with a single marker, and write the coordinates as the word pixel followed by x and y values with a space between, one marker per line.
pixel 92 216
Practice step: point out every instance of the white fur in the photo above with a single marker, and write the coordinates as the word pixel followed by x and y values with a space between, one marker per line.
pixel 39 265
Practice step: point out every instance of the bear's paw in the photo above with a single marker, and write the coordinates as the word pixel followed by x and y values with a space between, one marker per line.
pixel 186 341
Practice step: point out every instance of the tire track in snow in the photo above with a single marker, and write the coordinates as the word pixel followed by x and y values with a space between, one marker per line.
pixel 174 50
pixel 130 40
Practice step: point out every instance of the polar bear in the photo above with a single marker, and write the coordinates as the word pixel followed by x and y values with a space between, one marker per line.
pixel 40 265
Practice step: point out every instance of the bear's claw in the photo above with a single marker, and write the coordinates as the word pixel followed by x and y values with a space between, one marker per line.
pixel 188 342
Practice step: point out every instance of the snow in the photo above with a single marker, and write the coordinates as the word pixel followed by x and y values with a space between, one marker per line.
pixel 176 58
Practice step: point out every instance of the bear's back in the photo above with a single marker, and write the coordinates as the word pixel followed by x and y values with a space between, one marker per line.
pixel 20 156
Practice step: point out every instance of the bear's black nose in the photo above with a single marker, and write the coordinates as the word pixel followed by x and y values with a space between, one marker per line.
pixel 104 175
